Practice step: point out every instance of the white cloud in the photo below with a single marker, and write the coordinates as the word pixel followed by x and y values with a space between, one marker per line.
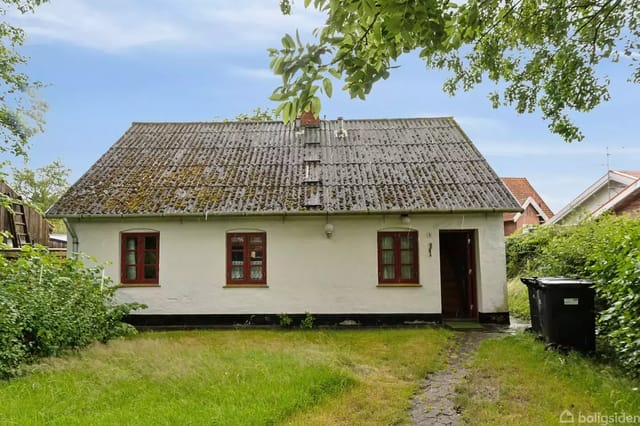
pixel 481 124
pixel 120 25
pixel 253 73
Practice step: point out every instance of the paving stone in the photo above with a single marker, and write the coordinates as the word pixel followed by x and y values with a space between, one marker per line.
pixel 434 402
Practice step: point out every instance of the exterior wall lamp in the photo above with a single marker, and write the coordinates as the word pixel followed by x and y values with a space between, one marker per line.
pixel 328 230
pixel 405 219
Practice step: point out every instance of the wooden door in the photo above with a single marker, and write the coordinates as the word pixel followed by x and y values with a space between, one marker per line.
pixel 458 275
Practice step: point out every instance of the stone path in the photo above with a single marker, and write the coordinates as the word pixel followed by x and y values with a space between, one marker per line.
pixel 434 403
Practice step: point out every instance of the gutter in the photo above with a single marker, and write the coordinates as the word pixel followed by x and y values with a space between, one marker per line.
pixel 74 238
pixel 207 214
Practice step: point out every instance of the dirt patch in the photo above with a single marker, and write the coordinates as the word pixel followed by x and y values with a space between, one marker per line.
pixel 434 403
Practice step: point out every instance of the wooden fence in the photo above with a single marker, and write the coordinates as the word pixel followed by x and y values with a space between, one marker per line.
pixel 37 226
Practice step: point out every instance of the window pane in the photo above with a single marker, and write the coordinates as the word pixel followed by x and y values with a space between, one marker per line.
pixel 387 242
pixel 237 257
pixel 388 272
pixel 406 256
pixel 387 257
pixel 236 273
pixel 256 255
pixel 256 239
pixel 256 272
pixel 131 258
pixel 237 243
pixel 149 257
pixel 131 273
pixel 131 243
pixel 149 272
pixel 406 242
pixel 407 271
pixel 150 243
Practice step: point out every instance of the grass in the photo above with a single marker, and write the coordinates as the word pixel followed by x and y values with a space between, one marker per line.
pixel 518 299
pixel 231 377
pixel 514 381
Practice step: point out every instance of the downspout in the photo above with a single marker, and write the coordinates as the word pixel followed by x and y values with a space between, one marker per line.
pixel 74 238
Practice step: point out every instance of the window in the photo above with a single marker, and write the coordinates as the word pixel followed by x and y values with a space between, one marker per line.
pixel 246 258
pixel 397 257
pixel 140 258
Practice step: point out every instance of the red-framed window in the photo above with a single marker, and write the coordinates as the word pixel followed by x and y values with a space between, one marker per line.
pixel 398 257
pixel 140 262
pixel 246 258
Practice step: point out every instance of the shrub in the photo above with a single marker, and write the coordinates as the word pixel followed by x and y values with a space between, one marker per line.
pixel 607 251
pixel 523 249
pixel 284 320
pixel 518 299
pixel 48 305
pixel 307 321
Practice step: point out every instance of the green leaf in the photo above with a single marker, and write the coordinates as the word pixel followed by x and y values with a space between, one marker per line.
pixel 335 73
pixel 316 106
pixel 287 42
pixel 328 88
pixel 275 96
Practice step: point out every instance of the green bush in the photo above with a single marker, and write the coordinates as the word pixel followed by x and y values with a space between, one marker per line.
pixel 284 320
pixel 48 305
pixel 518 299
pixel 523 249
pixel 307 321
pixel 606 250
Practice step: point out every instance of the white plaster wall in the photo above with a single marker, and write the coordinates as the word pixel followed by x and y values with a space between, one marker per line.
pixel 305 270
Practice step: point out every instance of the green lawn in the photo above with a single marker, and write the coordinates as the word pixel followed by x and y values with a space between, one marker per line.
pixel 229 377
pixel 514 381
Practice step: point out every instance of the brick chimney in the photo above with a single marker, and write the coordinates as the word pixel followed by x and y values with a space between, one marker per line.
pixel 307 119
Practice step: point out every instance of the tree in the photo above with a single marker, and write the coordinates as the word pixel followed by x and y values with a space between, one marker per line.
pixel 20 109
pixel 258 114
pixel 43 186
pixel 541 55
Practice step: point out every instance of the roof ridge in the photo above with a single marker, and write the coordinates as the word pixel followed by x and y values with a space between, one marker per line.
pixel 443 117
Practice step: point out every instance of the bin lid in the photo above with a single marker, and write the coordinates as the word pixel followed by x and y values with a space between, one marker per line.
pixel 563 281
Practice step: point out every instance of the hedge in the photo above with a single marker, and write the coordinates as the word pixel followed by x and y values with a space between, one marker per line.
pixel 606 250
pixel 49 305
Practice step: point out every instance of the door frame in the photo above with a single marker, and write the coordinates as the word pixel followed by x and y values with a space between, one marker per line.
pixel 472 280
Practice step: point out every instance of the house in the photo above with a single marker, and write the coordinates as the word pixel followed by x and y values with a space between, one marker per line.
pixel 618 191
pixel 534 210
pixel 24 224
pixel 365 221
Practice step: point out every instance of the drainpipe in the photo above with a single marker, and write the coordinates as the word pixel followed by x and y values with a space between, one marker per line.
pixel 74 238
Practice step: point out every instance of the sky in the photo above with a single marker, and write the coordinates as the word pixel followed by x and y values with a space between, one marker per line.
pixel 108 64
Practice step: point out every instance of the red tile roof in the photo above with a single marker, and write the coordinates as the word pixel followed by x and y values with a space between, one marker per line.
pixel 522 190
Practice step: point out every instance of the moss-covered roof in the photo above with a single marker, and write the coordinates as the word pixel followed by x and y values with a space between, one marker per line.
pixel 269 167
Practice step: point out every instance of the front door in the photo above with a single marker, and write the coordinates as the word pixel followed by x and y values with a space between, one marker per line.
pixel 457 274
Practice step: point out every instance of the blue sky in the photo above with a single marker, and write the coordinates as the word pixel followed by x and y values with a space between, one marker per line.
pixel 108 64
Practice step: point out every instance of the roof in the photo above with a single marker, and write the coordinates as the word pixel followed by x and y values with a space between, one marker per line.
pixel 622 177
pixel 523 192
pixel 624 196
pixel 632 173
pixel 209 168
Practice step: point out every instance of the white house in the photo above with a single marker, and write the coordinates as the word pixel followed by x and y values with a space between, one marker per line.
pixel 374 221
pixel 618 191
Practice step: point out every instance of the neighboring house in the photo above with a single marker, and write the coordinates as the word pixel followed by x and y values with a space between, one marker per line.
pixel 534 210
pixel 26 225
pixel 617 191
pixel 372 221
